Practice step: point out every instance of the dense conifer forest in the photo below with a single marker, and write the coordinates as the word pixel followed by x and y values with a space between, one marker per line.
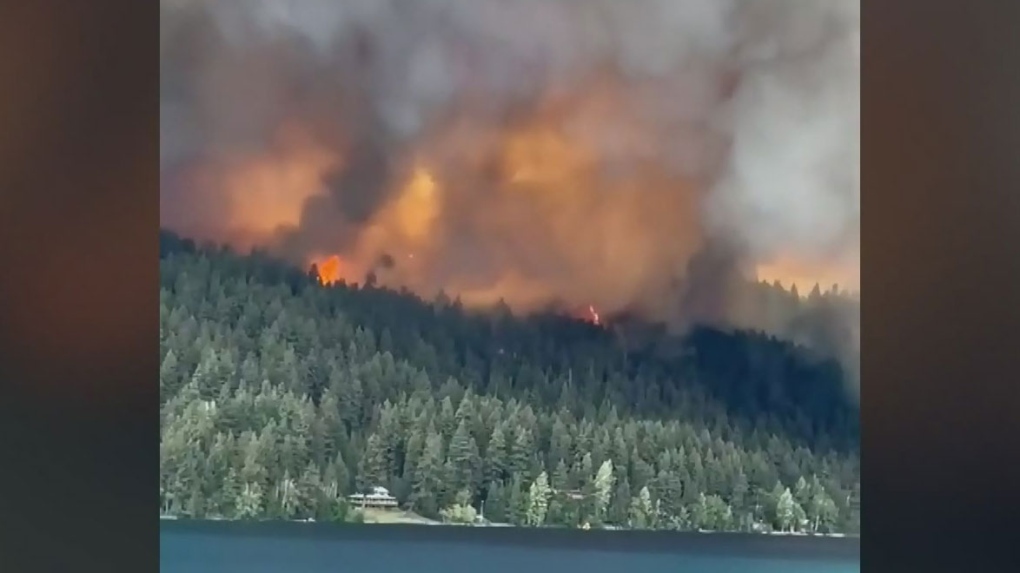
pixel 279 397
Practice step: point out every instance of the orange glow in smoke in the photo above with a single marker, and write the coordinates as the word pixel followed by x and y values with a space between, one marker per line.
pixel 790 271
pixel 530 202
pixel 265 191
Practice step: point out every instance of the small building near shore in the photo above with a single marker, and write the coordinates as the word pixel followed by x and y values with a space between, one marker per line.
pixel 379 497
pixel 571 494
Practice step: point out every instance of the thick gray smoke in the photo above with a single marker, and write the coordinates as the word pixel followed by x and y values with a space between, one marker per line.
pixel 726 129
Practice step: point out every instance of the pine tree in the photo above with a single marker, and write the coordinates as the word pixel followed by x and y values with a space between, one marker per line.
pixel 333 430
pixel 559 443
pixel 538 500
pixel 801 492
pixel 253 471
pixel 586 473
pixel 428 476
pixel 287 497
pixel 413 449
pixel 517 506
pixel 196 504
pixel 718 516
pixel 339 473
pixel 786 513
pixel 520 452
pixel 641 510
pixel 463 455
pixel 461 511
pixel 309 493
pixel 231 490
pixel 169 376
pixel 350 397
pixel 560 482
pixel 670 492
pixel 822 512
pixel 740 490
pixel 642 473
pixel 496 456
pixel 249 503
pixel 604 482
pixel 372 467
pixel 620 507
pixel 495 504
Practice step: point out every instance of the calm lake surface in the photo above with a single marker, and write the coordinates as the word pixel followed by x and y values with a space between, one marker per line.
pixel 197 547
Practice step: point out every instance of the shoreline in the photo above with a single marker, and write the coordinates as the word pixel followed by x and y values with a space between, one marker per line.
pixel 731 544
pixel 422 521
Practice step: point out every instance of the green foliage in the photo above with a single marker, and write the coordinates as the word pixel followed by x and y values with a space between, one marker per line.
pixel 279 398
pixel 603 486
pixel 642 511
pixel 538 500
pixel 461 511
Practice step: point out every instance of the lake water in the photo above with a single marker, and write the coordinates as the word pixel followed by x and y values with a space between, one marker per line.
pixel 193 547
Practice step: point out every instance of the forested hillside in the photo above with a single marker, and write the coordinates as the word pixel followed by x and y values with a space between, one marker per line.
pixel 280 396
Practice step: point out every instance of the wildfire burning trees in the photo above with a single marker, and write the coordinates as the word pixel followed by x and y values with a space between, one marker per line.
pixel 563 151
pixel 327 270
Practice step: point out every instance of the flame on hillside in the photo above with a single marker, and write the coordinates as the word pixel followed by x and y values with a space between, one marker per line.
pixel 555 216
pixel 517 152
pixel 523 212
pixel 329 270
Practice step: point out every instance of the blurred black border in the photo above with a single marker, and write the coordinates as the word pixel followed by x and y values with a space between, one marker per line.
pixel 79 195
pixel 941 257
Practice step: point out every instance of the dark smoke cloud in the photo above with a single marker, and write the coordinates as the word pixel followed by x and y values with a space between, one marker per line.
pixel 753 104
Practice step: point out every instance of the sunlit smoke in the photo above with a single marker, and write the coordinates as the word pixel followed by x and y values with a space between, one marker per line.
pixel 595 153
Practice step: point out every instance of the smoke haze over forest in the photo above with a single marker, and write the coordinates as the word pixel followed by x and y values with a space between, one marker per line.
pixel 643 156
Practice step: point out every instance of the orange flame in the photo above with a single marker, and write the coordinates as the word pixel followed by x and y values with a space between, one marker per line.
pixel 329 270
pixel 587 314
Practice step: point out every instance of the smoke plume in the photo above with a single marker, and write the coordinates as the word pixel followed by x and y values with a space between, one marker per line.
pixel 629 155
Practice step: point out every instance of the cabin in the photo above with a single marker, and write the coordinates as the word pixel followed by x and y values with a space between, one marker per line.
pixel 571 494
pixel 379 497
